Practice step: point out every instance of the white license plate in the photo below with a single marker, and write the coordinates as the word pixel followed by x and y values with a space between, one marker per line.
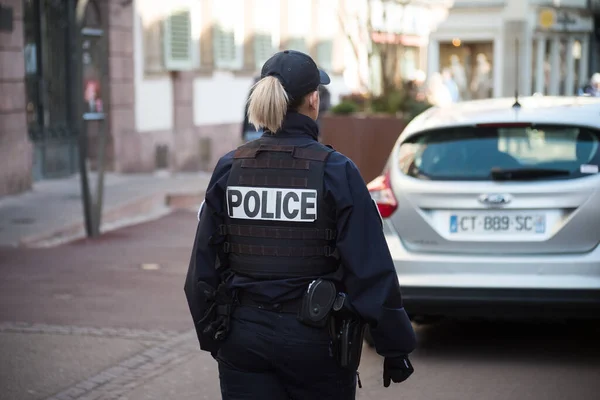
pixel 477 223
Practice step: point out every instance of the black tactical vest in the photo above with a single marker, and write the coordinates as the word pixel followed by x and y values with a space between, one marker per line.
pixel 277 224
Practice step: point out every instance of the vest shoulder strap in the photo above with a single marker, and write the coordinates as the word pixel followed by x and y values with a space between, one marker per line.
pixel 312 153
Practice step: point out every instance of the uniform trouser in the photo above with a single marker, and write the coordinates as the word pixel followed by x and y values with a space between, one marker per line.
pixel 270 355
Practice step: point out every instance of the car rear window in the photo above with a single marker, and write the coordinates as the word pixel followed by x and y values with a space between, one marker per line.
pixel 471 153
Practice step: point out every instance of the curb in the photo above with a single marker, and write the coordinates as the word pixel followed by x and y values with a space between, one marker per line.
pixel 139 210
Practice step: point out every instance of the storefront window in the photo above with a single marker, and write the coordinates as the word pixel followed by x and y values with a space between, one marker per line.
pixel 556 64
pixel 470 66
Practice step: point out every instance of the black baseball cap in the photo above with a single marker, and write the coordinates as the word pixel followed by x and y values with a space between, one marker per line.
pixel 296 71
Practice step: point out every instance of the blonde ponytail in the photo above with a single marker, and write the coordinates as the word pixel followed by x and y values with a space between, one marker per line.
pixel 267 104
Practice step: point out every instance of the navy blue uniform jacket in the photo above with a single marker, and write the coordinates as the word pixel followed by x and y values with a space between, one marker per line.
pixel 368 274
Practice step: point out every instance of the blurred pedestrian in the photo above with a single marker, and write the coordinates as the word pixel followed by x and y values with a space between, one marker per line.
pixel 324 105
pixel 593 88
pixel 451 85
pixel 249 132
pixel 290 261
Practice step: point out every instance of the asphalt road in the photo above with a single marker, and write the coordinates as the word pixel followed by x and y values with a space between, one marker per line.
pixel 107 319
pixel 497 360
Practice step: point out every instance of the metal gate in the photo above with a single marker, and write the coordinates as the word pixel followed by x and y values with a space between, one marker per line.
pixel 49 78
pixel 53 68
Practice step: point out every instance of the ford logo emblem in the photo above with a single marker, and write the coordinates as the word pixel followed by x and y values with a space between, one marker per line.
pixel 495 199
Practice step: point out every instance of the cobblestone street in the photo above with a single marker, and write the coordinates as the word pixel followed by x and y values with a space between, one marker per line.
pixel 108 320
pixel 99 320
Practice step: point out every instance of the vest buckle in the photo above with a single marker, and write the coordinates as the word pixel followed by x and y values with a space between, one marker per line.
pixel 331 252
pixel 226 247
pixel 330 234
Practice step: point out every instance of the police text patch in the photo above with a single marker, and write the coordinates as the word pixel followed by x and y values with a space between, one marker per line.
pixel 271 204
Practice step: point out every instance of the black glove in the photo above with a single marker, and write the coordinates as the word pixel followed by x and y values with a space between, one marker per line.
pixel 396 369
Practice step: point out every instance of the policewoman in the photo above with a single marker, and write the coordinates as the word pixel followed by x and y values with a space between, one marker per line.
pixel 288 238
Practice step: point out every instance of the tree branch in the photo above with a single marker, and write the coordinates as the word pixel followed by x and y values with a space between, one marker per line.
pixel 342 20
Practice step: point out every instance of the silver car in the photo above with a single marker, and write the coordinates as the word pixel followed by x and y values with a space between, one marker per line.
pixel 492 209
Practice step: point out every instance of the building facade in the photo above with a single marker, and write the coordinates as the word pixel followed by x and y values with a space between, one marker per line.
pixel 167 81
pixel 195 109
pixel 494 46
pixel 15 146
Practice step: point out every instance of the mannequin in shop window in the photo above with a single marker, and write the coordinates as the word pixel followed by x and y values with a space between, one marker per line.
pixel 460 76
pixel 482 78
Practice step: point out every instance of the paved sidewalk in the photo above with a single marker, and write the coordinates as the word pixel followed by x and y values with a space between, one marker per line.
pixel 51 213
pixel 103 318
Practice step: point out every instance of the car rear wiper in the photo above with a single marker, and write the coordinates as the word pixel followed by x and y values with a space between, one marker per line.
pixel 499 174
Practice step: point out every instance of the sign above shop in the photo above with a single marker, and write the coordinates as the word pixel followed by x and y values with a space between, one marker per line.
pixel 557 20
pixel 394 38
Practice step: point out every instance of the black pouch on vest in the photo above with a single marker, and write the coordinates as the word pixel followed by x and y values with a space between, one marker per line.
pixel 317 303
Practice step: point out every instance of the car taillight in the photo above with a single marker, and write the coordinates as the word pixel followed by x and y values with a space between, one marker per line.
pixel 381 192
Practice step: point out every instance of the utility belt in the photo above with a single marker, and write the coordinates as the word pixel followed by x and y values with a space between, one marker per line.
pixel 287 307
pixel 322 306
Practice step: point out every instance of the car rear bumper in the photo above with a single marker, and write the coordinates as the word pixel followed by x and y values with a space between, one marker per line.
pixel 470 302
pixel 484 285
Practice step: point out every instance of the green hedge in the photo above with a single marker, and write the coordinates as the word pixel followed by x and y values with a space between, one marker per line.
pixel 402 103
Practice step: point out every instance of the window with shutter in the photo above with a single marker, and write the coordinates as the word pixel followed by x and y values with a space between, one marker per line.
pixel 267 20
pixel 178 40
pixel 327 21
pixel 224 46
pixel 298 24
pixel 298 44
pixel 153 48
pixel 263 48
pixel 228 33
pixel 325 54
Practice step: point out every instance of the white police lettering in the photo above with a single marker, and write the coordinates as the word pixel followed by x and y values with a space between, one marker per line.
pixel 271 204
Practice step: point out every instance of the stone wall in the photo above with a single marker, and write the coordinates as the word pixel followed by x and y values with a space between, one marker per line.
pixel 121 117
pixel 15 147
pixel 195 148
